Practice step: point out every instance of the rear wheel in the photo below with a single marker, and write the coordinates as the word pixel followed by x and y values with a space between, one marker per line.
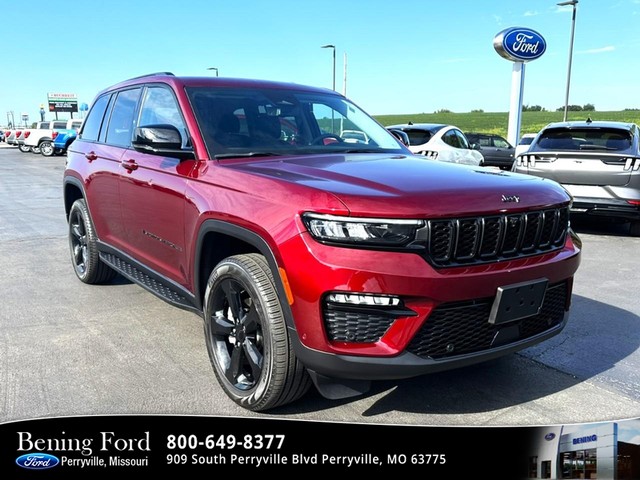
pixel 24 148
pixel 34 149
pixel 47 149
pixel 634 229
pixel 247 338
pixel 84 248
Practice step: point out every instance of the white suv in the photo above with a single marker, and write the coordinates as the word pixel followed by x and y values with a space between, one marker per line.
pixel 441 142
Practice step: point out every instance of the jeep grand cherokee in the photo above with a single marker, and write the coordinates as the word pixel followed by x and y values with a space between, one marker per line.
pixel 311 260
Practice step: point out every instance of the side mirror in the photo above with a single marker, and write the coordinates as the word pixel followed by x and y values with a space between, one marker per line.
pixel 476 146
pixel 160 140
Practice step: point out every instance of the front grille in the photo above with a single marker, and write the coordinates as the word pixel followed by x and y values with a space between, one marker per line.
pixel 464 241
pixel 461 328
pixel 359 324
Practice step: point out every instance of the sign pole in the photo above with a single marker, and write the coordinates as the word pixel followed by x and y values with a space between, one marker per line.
pixel 515 108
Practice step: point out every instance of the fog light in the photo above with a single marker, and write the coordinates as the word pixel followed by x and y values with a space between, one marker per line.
pixel 363 299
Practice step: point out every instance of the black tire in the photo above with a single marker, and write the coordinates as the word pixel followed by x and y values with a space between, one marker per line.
pixel 84 249
pixel 47 149
pixel 34 149
pixel 247 338
pixel 634 228
pixel 24 148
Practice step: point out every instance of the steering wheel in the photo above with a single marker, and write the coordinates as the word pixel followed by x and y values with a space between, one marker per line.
pixel 319 140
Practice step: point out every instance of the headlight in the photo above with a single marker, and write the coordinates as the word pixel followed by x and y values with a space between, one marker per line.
pixel 375 232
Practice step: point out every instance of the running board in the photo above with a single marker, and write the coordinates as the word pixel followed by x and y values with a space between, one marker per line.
pixel 153 283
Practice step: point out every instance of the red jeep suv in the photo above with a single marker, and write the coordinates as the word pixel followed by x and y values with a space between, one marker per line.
pixel 312 260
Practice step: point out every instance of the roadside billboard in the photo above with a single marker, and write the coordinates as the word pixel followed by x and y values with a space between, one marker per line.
pixel 62 102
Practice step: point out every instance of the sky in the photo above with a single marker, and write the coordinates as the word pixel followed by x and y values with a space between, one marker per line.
pixel 402 57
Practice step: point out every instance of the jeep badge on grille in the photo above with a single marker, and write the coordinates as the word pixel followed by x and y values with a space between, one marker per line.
pixel 510 198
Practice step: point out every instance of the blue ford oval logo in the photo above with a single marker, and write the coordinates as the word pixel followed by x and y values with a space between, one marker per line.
pixel 37 461
pixel 550 436
pixel 519 44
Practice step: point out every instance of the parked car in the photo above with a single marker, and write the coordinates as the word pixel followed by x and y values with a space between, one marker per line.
pixel 597 162
pixel 524 143
pixel 312 261
pixel 1 135
pixel 60 143
pixel 445 143
pixel 496 150
pixel 354 136
pixel 41 137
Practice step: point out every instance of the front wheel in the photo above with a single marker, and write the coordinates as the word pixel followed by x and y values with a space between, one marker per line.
pixel 247 337
pixel 47 149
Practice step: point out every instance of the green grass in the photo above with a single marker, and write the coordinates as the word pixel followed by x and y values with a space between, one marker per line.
pixel 497 122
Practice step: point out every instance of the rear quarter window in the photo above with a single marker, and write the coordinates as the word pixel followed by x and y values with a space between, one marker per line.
pixel 93 122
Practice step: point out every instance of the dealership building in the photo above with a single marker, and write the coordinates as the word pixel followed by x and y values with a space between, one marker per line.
pixel 588 451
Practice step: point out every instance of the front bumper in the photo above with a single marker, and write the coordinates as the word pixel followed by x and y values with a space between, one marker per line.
pixel 445 324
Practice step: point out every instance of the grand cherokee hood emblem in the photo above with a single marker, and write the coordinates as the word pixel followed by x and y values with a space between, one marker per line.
pixel 511 198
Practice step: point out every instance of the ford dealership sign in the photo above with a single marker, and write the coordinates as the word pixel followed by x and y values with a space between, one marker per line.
pixel 519 44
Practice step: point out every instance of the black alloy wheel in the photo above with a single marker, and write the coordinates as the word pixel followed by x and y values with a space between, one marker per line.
pixel 84 249
pixel 247 338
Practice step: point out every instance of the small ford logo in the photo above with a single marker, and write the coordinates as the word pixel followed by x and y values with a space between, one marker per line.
pixel 549 436
pixel 519 44
pixel 37 461
pixel 510 198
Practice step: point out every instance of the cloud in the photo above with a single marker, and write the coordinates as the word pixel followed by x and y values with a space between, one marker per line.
pixel 608 48
pixel 531 13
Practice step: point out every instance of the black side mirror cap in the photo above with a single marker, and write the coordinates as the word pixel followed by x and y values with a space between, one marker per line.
pixel 161 140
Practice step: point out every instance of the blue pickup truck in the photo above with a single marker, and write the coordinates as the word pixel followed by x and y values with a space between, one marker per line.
pixel 61 141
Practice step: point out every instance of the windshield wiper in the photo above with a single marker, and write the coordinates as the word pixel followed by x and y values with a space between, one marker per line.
pixel 222 156
pixel 362 150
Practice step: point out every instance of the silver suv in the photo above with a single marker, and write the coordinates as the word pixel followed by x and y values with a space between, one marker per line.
pixel 597 162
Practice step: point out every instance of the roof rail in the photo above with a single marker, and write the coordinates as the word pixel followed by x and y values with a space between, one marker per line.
pixel 153 74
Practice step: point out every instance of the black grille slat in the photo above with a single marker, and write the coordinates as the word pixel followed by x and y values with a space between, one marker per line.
pixel 442 235
pixel 463 328
pixel 475 240
pixel 532 224
pixel 548 227
pixel 491 236
pixel 467 239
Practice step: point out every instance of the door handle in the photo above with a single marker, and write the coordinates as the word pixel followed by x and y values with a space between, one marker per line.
pixel 91 156
pixel 129 165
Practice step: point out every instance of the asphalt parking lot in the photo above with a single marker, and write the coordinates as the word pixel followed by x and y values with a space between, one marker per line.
pixel 67 348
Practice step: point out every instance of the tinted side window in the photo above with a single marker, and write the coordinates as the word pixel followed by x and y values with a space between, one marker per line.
pixel 500 142
pixel 92 123
pixel 451 139
pixel 160 108
pixel 121 122
pixel 462 140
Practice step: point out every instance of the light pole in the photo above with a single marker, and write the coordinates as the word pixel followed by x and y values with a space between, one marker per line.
pixel 573 3
pixel 213 68
pixel 334 63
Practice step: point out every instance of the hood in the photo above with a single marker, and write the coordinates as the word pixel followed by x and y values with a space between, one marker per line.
pixel 409 186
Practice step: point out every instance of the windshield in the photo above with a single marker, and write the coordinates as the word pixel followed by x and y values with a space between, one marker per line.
pixel 610 139
pixel 238 122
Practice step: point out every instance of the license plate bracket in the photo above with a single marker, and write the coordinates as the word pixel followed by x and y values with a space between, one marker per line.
pixel 517 301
